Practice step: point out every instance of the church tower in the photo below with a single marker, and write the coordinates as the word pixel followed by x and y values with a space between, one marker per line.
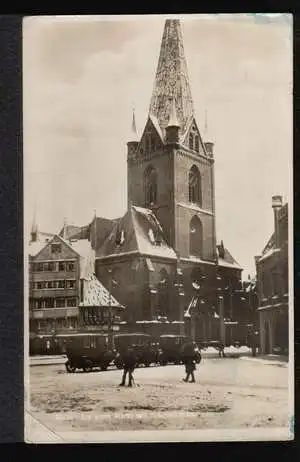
pixel 170 168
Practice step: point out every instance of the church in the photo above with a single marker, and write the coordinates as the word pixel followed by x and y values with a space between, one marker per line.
pixel 161 260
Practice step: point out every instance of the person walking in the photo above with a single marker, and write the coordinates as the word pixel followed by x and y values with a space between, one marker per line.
pixel 189 360
pixel 129 361
pixel 190 367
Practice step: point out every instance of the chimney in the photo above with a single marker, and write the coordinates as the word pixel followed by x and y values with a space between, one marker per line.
pixel 257 258
pixel 209 147
pixel 276 206
pixel 81 290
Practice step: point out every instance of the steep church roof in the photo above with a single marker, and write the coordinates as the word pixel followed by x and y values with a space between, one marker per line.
pixel 72 232
pixel 225 258
pixel 95 294
pixel 138 231
pixel 171 80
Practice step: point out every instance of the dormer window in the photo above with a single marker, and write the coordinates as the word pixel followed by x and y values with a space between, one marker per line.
pixel 195 193
pixel 56 248
pixel 197 143
pixel 191 141
pixel 151 236
pixel 120 237
pixel 194 142
pixel 147 143
pixel 150 186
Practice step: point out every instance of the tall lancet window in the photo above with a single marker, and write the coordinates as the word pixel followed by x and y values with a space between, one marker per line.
pixel 195 193
pixel 191 141
pixel 196 237
pixel 197 143
pixel 150 186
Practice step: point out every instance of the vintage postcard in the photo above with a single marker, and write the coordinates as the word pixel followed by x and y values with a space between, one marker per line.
pixel 158 228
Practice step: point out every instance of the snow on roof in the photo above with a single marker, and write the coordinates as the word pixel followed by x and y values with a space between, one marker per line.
pixel 156 125
pixel 95 294
pixel 194 207
pixel 87 256
pixel 81 246
pixel 227 259
pixel 35 247
pixel 224 263
pixel 137 226
pixel 269 253
pixel 145 245
pixel 197 260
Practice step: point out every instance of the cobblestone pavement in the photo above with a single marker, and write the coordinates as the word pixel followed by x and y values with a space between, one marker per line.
pixel 228 393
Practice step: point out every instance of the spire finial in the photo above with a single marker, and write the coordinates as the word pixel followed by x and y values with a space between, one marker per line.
pixel 205 123
pixel 173 121
pixel 34 227
pixel 134 135
pixel 65 228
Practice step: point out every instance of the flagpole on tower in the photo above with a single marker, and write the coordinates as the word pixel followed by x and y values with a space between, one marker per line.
pixel 205 123
pixel 95 229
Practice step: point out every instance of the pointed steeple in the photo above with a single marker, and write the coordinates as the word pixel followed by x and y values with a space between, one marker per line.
pixel 65 229
pixel 171 81
pixel 133 134
pixel 34 227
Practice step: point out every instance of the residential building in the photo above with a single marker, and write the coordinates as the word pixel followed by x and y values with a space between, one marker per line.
pixel 273 284
pixel 62 284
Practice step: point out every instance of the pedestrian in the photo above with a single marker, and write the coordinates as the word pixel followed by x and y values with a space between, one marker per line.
pixel 129 361
pixel 189 360
pixel 190 367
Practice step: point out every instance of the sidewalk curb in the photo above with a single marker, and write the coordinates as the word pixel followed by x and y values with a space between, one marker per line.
pixel 270 362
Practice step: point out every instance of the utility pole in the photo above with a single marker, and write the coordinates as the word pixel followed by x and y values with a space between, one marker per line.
pixel 110 321
pixel 222 321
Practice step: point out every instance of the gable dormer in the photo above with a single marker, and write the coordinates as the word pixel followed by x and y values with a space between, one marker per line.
pixel 192 139
pixel 152 139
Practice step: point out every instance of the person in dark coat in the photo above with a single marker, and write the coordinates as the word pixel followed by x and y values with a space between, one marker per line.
pixel 129 360
pixel 189 359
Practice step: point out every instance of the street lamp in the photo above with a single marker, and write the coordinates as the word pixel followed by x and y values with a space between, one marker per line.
pixel 220 299
pixel 110 323
pixel 190 313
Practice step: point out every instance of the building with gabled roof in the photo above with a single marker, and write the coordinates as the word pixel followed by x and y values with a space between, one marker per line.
pixel 61 281
pixel 273 284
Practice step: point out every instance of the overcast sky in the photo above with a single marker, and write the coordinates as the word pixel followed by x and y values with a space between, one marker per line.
pixel 82 76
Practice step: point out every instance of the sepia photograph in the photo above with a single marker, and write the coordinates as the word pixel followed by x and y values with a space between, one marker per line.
pixel 158 231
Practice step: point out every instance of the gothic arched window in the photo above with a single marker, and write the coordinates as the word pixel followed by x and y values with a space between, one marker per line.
pixel 191 141
pixel 147 143
pixel 196 237
pixel 163 294
pixel 195 193
pixel 150 186
pixel 197 143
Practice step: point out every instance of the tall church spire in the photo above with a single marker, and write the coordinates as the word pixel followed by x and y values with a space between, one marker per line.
pixel 171 80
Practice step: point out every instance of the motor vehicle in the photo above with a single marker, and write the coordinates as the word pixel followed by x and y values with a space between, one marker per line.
pixel 145 348
pixel 88 351
pixel 173 349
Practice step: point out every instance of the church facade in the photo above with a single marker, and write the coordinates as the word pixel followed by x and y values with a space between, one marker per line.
pixel 163 252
